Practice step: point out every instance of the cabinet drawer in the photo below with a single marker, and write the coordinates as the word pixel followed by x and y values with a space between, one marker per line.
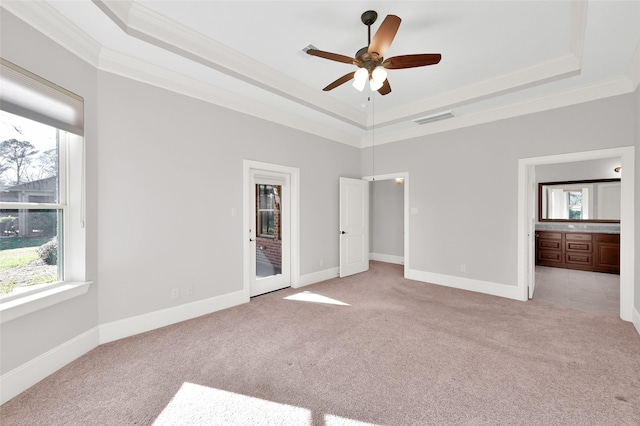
pixel 608 238
pixel 549 235
pixel 585 259
pixel 550 244
pixel 585 246
pixel 578 237
pixel 550 256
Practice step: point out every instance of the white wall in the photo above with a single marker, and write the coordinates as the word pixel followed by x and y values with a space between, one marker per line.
pixel 464 183
pixel 28 337
pixel 637 209
pixel 387 218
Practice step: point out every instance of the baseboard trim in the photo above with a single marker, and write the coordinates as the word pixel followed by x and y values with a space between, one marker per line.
pixel 486 287
pixel 635 319
pixel 28 374
pixel 316 277
pixel 388 258
pixel 139 324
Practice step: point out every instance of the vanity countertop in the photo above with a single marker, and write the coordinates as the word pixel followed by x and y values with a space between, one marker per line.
pixel 591 228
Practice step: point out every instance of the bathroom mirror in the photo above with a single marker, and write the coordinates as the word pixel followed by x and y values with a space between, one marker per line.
pixel 579 201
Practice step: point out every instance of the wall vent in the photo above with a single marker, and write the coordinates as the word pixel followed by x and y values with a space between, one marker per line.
pixel 434 117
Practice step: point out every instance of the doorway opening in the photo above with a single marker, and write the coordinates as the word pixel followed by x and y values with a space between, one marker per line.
pixel 399 248
pixel 527 216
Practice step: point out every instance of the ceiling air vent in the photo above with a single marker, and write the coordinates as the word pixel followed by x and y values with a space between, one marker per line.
pixel 434 117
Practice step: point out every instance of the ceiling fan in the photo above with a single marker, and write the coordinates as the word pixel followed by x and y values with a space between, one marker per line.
pixel 370 60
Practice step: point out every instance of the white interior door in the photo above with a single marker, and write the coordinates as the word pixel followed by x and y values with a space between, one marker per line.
pixel 354 226
pixel 531 220
pixel 270 232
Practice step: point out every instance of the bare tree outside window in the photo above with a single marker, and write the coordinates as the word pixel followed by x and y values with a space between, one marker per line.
pixel 30 216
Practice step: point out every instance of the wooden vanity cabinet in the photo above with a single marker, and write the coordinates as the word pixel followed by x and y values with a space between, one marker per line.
pixel 549 248
pixel 606 254
pixel 578 250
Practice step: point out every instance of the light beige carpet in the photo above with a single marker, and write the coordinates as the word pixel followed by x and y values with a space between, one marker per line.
pixel 372 348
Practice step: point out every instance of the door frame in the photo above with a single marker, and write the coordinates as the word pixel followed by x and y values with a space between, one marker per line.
pixel 250 166
pixel 405 177
pixel 627 218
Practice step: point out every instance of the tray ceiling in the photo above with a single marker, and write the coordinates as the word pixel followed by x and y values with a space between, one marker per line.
pixel 499 58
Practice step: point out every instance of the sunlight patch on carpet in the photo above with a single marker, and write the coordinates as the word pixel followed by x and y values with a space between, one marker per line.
pixel 196 405
pixel 200 405
pixel 330 420
pixel 307 296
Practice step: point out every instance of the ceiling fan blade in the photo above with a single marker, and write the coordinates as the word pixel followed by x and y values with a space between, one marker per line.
pixel 385 34
pixel 331 56
pixel 411 61
pixel 339 81
pixel 386 88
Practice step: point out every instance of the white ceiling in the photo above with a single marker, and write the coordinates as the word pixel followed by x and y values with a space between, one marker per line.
pixel 499 58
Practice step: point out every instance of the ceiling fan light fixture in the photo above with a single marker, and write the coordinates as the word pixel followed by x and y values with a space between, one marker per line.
pixel 360 79
pixel 375 85
pixel 379 74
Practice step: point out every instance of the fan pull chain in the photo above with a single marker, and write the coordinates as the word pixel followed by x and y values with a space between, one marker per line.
pixel 372 99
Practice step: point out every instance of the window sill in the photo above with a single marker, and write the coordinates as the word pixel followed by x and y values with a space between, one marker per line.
pixel 27 304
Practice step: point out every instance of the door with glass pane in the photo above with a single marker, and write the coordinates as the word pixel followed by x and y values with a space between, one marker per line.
pixel 270 233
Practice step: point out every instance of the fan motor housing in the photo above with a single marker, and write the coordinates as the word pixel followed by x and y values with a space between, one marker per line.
pixel 367 60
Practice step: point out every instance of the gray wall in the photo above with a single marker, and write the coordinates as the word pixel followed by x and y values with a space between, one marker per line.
pixel 27 337
pixel 386 224
pixel 464 182
pixel 164 171
pixel 578 170
pixel 171 169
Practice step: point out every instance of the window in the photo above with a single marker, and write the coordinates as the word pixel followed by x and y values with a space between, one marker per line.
pixel 33 207
pixel 268 220
pixel 574 203
pixel 42 236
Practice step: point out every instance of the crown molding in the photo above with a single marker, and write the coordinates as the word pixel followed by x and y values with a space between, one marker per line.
pixel 553 70
pixel 49 22
pixel 556 69
pixel 135 69
pixel 136 19
pixel 614 87
pixel 142 23
pixel 578 28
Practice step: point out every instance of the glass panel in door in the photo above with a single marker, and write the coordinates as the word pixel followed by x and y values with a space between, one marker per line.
pixel 268 230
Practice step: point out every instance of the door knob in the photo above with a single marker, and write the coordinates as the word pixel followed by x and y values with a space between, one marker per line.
pixel 343 232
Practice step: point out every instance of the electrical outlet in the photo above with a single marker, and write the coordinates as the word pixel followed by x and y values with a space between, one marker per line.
pixel 189 290
pixel 321 262
pixel 463 268
pixel 175 293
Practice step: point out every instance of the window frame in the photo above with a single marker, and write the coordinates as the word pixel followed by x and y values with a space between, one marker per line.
pixel 71 198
